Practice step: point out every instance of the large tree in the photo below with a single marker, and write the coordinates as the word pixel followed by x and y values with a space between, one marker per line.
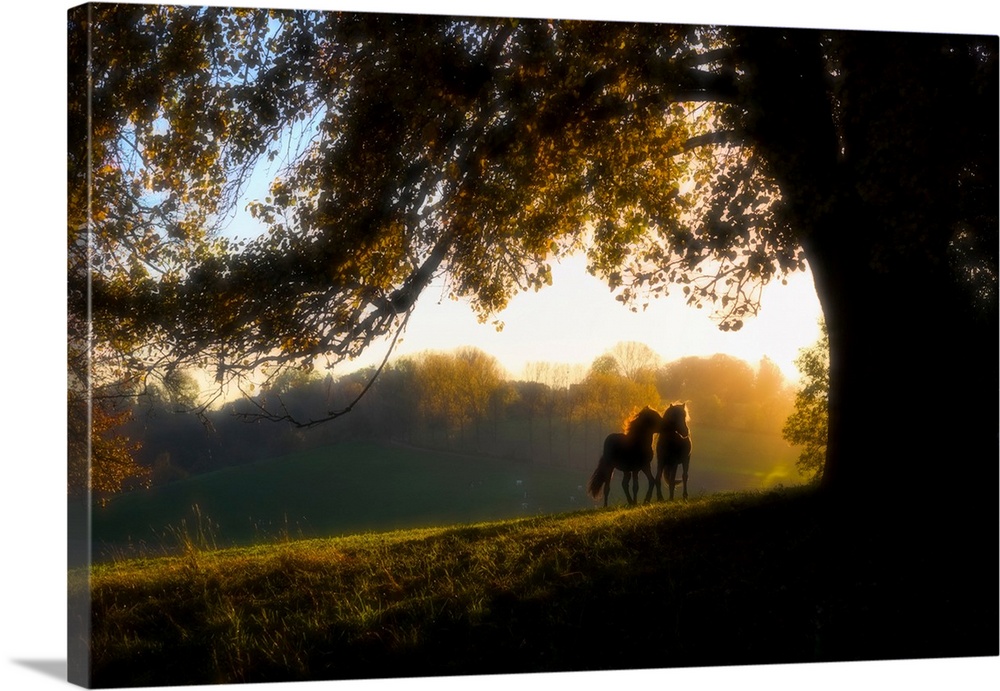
pixel 709 160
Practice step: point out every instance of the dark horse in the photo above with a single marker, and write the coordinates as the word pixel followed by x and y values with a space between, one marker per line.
pixel 673 448
pixel 629 452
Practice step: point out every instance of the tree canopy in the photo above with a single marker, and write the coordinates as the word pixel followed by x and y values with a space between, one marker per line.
pixel 703 159
pixel 405 146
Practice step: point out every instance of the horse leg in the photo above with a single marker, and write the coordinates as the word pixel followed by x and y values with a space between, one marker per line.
pixel 684 478
pixel 659 477
pixel 649 476
pixel 671 479
pixel 625 479
pixel 635 487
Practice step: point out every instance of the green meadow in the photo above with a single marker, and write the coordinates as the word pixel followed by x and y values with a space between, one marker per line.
pixel 356 487
pixel 731 578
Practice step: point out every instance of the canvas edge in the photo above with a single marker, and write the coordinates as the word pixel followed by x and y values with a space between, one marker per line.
pixel 78 668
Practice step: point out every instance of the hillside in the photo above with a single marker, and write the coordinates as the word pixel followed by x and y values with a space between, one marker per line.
pixel 729 579
pixel 354 487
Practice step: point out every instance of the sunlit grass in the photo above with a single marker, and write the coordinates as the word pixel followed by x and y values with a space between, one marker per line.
pixel 334 491
pixel 303 609
pixel 734 578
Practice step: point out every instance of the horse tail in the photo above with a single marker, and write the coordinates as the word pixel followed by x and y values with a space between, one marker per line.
pixel 600 476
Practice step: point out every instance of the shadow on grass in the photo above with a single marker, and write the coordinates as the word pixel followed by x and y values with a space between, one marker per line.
pixel 778 580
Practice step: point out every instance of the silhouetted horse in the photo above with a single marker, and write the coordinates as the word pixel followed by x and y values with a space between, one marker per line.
pixel 629 452
pixel 673 448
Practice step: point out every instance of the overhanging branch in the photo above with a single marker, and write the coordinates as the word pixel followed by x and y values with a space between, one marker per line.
pixel 719 138
pixel 265 414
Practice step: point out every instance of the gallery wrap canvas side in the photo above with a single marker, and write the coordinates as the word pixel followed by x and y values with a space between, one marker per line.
pixel 422 346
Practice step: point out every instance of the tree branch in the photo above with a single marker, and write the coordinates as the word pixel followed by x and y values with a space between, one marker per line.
pixel 265 414
pixel 721 137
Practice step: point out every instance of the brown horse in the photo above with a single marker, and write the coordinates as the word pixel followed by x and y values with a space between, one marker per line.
pixel 629 452
pixel 673 448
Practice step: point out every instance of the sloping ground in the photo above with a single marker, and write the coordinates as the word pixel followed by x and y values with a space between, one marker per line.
pixel 734 579
pixel 355 487
pixel 344 489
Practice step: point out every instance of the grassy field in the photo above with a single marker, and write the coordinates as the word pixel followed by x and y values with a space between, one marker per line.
pixel 736 578
pixel 369 486
pixel 345 489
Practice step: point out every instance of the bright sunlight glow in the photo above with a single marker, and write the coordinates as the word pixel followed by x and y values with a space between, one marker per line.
pixel 577 318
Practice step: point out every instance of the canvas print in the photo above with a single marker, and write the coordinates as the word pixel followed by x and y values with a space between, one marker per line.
pixel 413 345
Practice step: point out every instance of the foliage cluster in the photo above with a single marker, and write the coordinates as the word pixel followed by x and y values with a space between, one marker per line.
pixel 102 458
pixel 807 426
pixel 526 139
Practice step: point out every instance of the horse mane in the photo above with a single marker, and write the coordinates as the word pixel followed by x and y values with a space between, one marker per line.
pixel 639 420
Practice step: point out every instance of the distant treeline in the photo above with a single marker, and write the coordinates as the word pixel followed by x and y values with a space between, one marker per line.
pixel 462 401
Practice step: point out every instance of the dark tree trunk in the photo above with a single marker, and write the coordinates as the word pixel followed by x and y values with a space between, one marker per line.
pixel 868 162
pixel 869 165
pixel 913 374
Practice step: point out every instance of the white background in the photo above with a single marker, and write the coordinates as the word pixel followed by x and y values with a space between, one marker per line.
pixel 32 160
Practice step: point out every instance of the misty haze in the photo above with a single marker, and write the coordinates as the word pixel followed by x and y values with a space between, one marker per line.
pixel 440 438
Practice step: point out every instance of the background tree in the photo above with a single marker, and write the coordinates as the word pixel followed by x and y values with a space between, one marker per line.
pixel 719 389
pixel 772 398
pixel 807 425
pixel 177 389
pixel 479 383
pixel 607 399
pixel 558 405
pixel 110 466
pixel 396 401
pixel 440 405
pixel 635 360
pixel 531 399
pixel 605 365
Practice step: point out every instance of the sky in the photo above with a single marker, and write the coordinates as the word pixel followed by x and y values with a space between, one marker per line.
pixel 32 596
pixel 577 318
